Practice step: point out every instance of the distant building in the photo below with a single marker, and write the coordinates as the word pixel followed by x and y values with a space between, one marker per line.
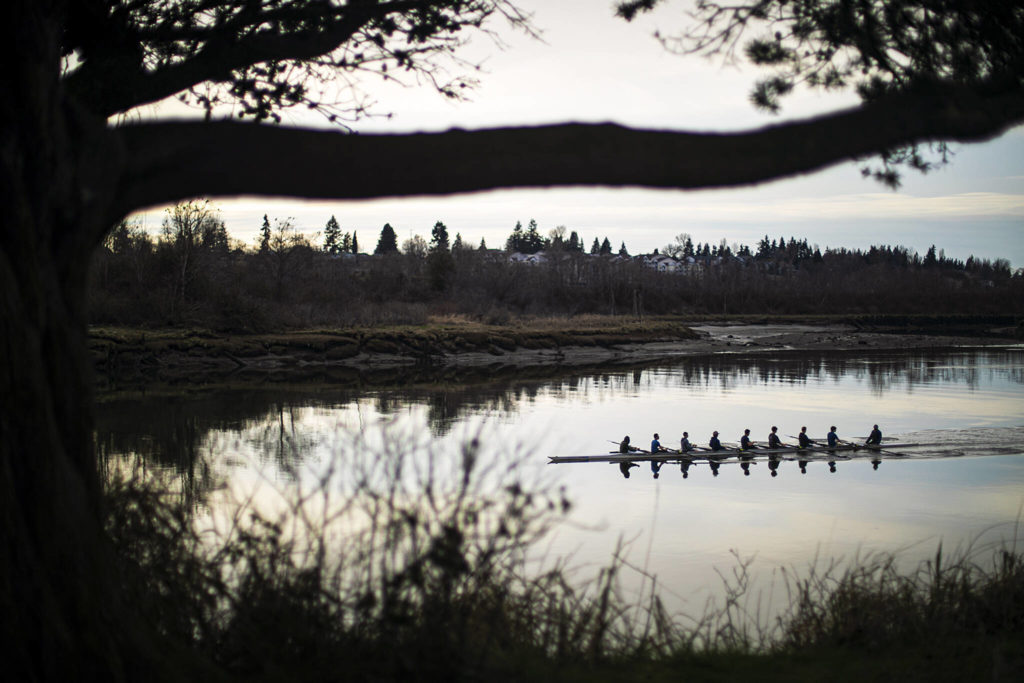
pixel 661 263
pixel 529 259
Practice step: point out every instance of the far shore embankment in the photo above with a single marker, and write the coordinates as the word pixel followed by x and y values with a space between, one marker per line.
pixel 446 344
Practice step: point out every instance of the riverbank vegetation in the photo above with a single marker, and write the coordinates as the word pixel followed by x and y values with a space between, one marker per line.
pixel 412 564
pixel 195 275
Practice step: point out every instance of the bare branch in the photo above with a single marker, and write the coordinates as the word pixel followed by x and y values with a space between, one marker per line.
pixel 245 159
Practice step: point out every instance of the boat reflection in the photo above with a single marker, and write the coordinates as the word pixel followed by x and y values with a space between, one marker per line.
pixel 180 428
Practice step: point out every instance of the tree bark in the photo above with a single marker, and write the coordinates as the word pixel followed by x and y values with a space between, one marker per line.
pixel 60 602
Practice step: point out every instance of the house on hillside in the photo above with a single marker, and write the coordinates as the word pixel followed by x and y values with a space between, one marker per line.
pixel 661 263
pixel 529 259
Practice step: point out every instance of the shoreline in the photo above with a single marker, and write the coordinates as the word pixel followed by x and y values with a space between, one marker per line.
pixel 129 355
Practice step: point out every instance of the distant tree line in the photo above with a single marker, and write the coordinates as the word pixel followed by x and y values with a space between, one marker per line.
pixel 193 273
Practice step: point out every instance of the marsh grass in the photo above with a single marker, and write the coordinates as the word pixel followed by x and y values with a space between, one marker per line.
pixel 406 563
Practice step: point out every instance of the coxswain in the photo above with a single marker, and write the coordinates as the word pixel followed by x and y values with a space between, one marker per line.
pixel 875 438
pixel 805 441
pixel 656 446
pixel 715 444
pixel 773 439
pixel 745 442
pixel 684 444
pixel 833 438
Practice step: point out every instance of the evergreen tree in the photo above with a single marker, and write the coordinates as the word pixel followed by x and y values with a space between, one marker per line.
pixel 623 251
pixel 388 241
pixel 606 247
pixel 688 247
pixel 532 241
pixel 595 248
pixel 457 245
pixel 515 240
pixel 439 237
pixel 440 264
pixel 332 236
pixel 345 244
pixel 355 243
pixel 483 244
pixel 214 236
pixel 575 244
pixel 265 235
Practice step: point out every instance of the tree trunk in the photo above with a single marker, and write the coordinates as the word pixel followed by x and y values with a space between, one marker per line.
pixel 60 599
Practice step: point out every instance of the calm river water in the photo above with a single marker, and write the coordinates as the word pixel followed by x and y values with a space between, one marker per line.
pixel 965 486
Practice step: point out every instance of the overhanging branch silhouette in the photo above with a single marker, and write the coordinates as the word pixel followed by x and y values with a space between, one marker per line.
pixel 231 159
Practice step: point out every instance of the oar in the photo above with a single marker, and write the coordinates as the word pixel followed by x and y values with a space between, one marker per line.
pixel 874 449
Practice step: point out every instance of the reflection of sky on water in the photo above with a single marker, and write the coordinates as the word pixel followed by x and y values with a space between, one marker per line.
pixel 681 530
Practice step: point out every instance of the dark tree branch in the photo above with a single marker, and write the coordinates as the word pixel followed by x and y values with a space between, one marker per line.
pixel 247 159
pixel 225 49
pixel 215 62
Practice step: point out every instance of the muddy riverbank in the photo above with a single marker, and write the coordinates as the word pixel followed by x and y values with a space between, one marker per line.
pixel 460 347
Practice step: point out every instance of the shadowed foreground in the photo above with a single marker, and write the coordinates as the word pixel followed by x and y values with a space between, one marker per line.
pixel 410 564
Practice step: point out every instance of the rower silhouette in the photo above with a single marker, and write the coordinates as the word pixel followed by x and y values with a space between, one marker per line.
pixel 684 467
pixel 624 468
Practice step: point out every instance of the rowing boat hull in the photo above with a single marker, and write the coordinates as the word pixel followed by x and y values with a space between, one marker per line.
pixel 708 454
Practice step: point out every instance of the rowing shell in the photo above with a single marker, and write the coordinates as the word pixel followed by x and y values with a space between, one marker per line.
pixel 708 454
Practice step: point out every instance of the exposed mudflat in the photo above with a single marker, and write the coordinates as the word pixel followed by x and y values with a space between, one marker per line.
pixel 205 358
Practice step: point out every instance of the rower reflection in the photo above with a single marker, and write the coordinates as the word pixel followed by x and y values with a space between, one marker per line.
pixel 684 467
pixel 656 467
pixel 832 466
pixel 714 467
pixel 803 466
pixel 624 468
pixel 745 460
pixel 773 466
pixel 875 463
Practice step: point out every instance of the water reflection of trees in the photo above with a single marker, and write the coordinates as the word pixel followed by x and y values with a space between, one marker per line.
pixel 180 431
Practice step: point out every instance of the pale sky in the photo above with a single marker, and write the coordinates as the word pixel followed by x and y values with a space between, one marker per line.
pixel 593 67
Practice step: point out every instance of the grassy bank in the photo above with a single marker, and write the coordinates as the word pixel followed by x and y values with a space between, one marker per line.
pixel 410 564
